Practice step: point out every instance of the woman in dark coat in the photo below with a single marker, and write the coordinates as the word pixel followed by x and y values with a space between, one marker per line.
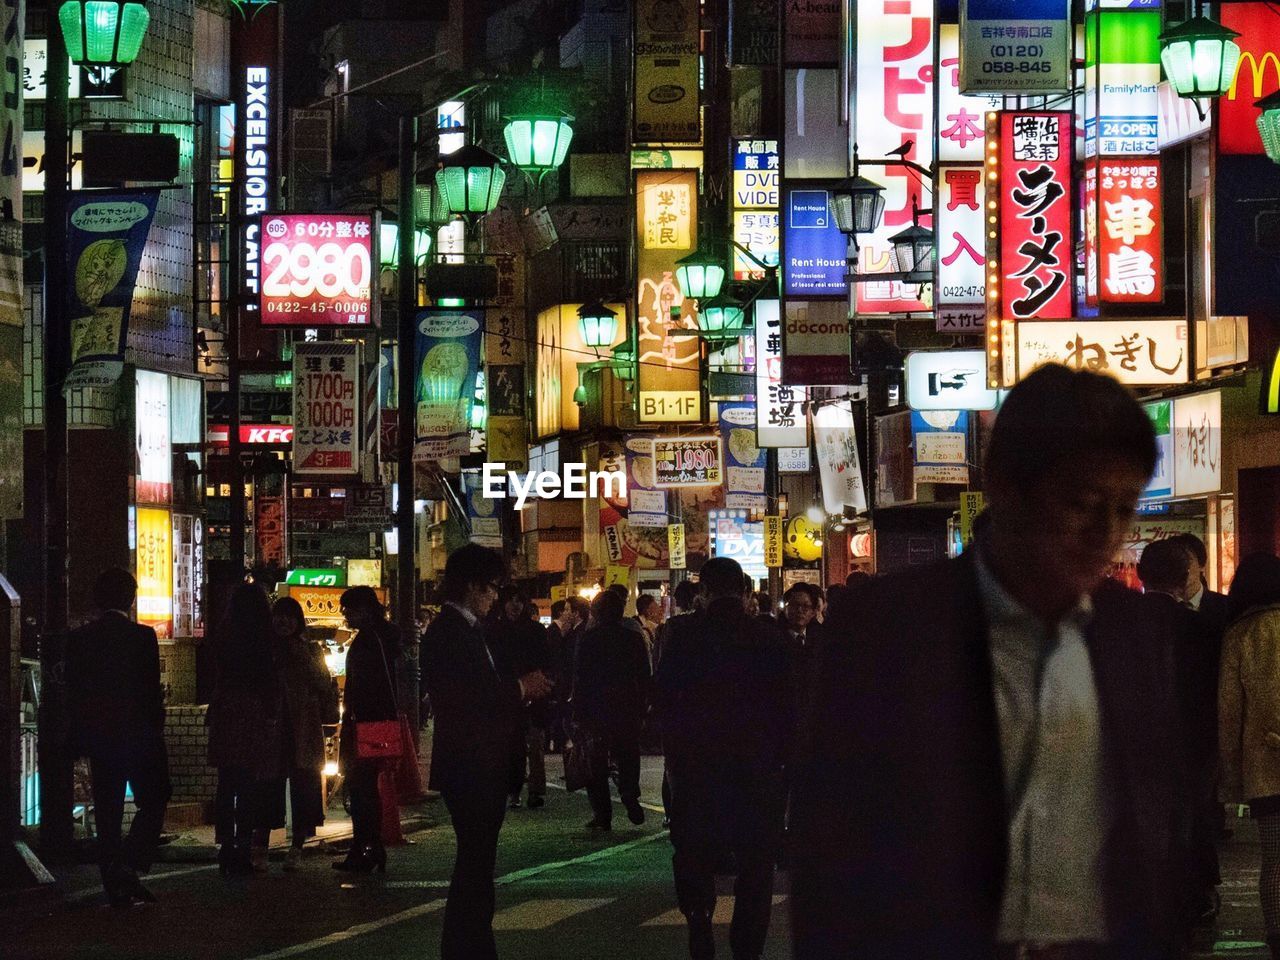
pixel 521 641
pixel 246 743
pixel 311 701
pixel 610 696
pixel 369 695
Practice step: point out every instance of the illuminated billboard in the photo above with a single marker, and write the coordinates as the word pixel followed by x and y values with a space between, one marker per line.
pixel 318 270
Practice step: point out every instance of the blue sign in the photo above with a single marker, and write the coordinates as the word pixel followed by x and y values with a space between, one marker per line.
pixel 814 249
pixel 1153 508
pixel 448 359
pixel 1014 9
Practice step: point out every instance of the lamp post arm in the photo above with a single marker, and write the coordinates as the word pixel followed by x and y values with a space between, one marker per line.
pixel 899 162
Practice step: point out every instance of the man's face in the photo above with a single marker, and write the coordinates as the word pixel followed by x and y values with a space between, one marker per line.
pixel 481 597
pixel 1066 528
pixel 514 608
pixel 1194 572
pixel 799 611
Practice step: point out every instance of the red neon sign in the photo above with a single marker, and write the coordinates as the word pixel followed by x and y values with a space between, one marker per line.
pixel 259 434
pixel 1130 231
pixel 317 270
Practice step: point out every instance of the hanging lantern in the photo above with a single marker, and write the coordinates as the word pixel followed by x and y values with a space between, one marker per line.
pixel 597 324
pixel 478 415
pixel 103 33
pixel 538 142
pixel 913 250
pixel 1269 125
pixel 1200 57
pixel 721 317
pixel 700 275
pixel 623 361
pixel 580 395
pixel 389 244
pixel 470 181
pixel 857 205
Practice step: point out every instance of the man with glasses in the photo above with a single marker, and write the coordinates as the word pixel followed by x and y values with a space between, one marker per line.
pixel 477 706
pixel 992 761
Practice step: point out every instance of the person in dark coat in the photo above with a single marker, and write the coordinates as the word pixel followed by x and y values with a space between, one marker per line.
pixel 117 721
pixel 311 701
pixel 521 642
pixel 368 696
pixel 1211 605
pixel 610 697
pixel 991 760
pixel 724 698
pixel 246 732
pixel 477 704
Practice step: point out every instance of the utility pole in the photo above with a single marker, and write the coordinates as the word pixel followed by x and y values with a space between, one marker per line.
pixel 55 765
pixel 407 288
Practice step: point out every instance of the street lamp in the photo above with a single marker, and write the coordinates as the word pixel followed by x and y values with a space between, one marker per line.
pixel 623 361
pixel 721 317
pixel 857 205
pixel 538 142
pixel 597 324
pixel 470 181
pixel 1269 125
pixel 700 275
pixel 1200 57
pixel 913 249
pixel 103 33
pixel 389 244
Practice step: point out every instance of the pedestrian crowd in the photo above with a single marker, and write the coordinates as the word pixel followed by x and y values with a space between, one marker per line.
pixel 1007 755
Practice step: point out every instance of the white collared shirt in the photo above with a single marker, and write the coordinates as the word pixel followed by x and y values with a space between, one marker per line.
pixel 1193 601
pixel 467 615
pixel 1055 781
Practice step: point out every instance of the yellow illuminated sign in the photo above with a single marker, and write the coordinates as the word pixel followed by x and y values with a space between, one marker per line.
pixel 666 215
pixel 155 570
pixel 676 546
pixel 364 573
pixel 773 541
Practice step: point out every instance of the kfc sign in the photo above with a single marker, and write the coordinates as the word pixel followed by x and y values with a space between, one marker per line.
pixel 254 434
pixel 1035 247
pixel 317 270
pixel 1257 75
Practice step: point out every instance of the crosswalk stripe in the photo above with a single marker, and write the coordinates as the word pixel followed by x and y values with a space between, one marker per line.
pixel 540 914
pixel 722 916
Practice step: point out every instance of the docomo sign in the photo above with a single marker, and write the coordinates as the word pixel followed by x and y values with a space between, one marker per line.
pixel 257 434
pixel 318 270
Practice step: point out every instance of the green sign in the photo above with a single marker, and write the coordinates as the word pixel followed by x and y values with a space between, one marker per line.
pixel 321 577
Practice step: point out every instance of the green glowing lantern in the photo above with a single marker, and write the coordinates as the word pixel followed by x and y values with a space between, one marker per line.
pixel 1200 57
pixel 597 324
pixel 700 275
pixel 389 244
pixel 538 142
pixel 623 361
pixel 470 181
pixel 103 33
pixel 720 317
pixel 1269 125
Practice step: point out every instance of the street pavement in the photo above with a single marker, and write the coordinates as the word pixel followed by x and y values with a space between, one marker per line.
pixel 562 895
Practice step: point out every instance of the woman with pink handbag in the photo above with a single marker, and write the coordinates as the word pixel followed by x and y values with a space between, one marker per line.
pixel 370 723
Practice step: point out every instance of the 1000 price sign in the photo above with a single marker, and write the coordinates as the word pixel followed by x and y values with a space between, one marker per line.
pixel 317 270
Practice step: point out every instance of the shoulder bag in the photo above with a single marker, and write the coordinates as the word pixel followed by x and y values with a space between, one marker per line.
pixel 380 739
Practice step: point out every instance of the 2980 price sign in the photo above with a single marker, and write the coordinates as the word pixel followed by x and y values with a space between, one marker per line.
pixel 317 270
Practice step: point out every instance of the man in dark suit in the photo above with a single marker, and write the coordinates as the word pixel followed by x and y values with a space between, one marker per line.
pixel 477 708
pixel 117 715
pixel 724 697
pixel 1211 605
pixel 991 759
pixel 1163 569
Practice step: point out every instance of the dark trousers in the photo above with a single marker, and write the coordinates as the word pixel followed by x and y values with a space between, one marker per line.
pixel 714 810
pixel 477 804
pixel 148 777
pixel 619 742
pixel 366 803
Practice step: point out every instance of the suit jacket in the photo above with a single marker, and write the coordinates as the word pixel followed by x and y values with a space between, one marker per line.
pixel 1214 612
pixel 523 647
pixel 113 679
pixel 1197 654
pixel 476 704
pixel 899 815
pixel 612 675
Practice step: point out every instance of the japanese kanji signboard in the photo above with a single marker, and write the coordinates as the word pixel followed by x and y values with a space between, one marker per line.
pixel 1140 353
pixel 1035 248
pixel 326 408
pixel 961 118
pixel 1016 46
pixel 666 108
pixel 687 462
pixel 669 373
pixel 780 416
pixel 960 216
pixel 894 111
pixel 1197 444
pixel 1129 230
pixel 317 270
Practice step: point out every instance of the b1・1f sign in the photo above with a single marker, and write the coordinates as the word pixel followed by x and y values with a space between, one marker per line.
pixel 326 408
pixel 317 270
pixel 1015 46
